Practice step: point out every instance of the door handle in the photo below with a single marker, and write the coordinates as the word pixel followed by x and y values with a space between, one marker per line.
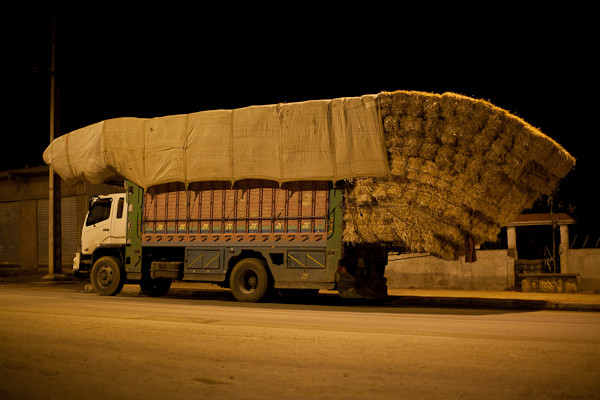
pixel 105 229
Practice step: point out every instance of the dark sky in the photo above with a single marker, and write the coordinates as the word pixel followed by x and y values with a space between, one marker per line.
pixel 149 62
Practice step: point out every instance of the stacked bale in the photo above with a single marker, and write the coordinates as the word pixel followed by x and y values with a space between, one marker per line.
pixel 459 168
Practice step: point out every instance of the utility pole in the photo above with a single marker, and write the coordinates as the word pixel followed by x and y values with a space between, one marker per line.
pixel 54 211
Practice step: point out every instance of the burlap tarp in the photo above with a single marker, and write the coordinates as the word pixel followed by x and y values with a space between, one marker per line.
pixel 313 140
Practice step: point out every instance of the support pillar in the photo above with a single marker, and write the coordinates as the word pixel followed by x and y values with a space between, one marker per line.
pixel 511 236
pixel 563 248
pixel 54 197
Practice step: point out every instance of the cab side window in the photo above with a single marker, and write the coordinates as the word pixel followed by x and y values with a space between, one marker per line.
pixel 120 207
pixel 99 212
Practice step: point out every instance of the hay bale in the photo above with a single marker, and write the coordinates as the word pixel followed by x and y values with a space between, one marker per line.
pixel 459 167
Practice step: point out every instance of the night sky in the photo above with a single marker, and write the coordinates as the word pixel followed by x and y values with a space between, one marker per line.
pixel 150 62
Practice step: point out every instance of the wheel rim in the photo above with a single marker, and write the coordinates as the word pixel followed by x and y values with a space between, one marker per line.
pixel 248 281
pixel 105 276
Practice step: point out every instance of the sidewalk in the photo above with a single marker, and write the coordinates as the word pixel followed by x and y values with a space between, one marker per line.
pixel 397 297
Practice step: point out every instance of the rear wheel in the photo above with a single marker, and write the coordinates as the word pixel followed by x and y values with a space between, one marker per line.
pixel 107 276
pixel 155 287
pixel 250 281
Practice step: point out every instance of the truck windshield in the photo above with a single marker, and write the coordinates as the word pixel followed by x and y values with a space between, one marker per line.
pixel 99 212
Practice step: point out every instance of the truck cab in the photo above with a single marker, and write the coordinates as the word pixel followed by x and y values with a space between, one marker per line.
pixel 104 230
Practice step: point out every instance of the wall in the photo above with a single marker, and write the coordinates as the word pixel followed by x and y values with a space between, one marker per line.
pixel 28 188
pixel 494 270
pixel 586 263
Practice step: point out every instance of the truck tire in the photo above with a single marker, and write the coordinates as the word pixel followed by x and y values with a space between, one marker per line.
pixel 107 276
pixel 250 280
pixel 155 287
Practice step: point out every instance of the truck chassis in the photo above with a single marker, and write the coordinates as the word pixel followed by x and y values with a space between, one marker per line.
pixel 254 237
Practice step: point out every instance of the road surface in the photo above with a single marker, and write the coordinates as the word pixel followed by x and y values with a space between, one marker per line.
pixel 63 344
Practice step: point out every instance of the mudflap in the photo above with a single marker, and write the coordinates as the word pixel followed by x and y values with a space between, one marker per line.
pixel 350 287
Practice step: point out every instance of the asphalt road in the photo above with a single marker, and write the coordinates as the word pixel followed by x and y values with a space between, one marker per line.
pixel 62 344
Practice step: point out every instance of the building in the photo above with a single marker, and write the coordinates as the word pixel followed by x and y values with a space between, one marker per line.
pixel 24 217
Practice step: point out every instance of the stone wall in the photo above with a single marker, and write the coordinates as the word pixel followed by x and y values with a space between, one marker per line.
pixel 586 263
pixel 494 270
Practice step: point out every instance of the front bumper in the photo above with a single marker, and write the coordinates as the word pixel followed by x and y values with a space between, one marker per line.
pixel 76 262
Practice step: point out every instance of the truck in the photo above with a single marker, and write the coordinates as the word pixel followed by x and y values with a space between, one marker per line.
pixel 298 197
pixel 255 237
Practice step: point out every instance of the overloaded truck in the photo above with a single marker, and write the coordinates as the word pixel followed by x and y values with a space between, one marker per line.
pixel 302 196
pixel 254 237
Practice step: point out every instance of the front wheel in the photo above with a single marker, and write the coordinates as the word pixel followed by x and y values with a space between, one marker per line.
pixel 107 276
pixel 250 281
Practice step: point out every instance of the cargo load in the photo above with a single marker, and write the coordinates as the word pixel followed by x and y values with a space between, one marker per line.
pixel 435 173
pixel 426 171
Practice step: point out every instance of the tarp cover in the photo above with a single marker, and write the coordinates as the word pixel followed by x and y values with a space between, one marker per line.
pixel 312 140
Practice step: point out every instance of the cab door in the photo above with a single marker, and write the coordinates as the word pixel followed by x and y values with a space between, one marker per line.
pixel 118 229
pixel 97 227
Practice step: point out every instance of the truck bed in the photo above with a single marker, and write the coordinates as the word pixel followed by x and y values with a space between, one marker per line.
pixel 250 210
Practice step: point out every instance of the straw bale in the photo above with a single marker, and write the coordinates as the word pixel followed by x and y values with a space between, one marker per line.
pixel 497 152
pixel 492 178
pixel 398 168
pixel 390 123
pixel 385 104
pixel 448 135
pixel 556 162
pixel 461 159
pixel 445 158
pixel 411 125
pixel 412 144
pixel 521 147
pixel 432 109
pixel 448 105
pixel 483 138
pixel 459 168
pixel 513 166
pixel 474 168
pixel 429 150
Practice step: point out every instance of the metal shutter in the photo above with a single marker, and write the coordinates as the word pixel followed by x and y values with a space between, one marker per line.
pixel 9 233
pixel 68 228
pixel 68 224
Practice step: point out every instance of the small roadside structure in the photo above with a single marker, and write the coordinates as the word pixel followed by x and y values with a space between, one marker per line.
pixel 551 272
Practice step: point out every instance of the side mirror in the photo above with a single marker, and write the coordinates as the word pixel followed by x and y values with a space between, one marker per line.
pixel 91 202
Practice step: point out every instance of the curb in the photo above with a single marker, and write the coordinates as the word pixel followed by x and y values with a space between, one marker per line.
pixel 568 306
pixel 398 301
pixel 490 303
